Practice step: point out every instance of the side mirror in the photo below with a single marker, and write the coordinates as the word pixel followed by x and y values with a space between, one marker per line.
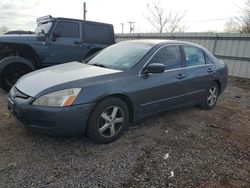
pixel 154 68
pixel 55 35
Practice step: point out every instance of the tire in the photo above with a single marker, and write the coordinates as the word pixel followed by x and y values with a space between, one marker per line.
pixel 108 121
pixel 211 96
pixel 17 67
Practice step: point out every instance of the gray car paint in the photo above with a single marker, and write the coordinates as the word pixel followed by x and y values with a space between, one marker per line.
pixel 56 75
pixel 148 94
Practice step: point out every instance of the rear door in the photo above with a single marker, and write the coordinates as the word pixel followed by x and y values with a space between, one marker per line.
pixel 199 73
pixel 95 37
pixel 67 46
pixel 161 91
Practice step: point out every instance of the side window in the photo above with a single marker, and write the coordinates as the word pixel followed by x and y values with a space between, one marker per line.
pixel 169 56
pixel 68 29
pixel 93 33
pixel 208 60
pixel 194 56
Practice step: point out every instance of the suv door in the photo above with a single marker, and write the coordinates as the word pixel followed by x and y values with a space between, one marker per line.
pixel 95 36
pixel 199 73
pixel 163 90
pixel 65 45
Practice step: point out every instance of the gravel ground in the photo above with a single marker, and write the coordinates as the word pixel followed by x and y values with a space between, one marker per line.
pixel 187 147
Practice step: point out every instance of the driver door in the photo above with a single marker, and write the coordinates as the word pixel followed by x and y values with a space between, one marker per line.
pixel 161 91
pixel 66 45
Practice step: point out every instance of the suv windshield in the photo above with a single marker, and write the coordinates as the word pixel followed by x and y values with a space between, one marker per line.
pixel 43 28
pixel 122 55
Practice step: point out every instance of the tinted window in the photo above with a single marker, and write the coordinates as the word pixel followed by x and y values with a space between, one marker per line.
pixel 169 56
pixel 96 33
pixel 68 29
pixel 194 56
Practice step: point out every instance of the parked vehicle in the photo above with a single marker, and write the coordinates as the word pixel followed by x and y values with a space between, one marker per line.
pixel 55 41
pixel 122 84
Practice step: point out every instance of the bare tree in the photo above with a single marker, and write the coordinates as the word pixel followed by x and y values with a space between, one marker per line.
pixel 242 22
pixel 3 30
pixel 164 20
pixel 231 26
pixel 244 19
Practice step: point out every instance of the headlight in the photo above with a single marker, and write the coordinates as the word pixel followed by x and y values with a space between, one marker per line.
pixel 59 98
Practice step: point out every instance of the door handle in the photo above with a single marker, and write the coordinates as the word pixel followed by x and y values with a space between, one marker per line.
pixel 209 70
pixel 180 76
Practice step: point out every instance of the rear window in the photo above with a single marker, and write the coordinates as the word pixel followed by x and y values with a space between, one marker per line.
pixel 93 33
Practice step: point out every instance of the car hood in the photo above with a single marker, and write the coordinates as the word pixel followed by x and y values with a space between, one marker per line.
pixel 38 81
pixel 23 38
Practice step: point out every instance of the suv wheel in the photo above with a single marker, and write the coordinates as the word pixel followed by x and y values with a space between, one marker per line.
pixel 211 96
pixel 12 72
pixel 108 121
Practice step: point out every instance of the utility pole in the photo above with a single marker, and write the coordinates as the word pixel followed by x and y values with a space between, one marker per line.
pixel 84 10
pixel 131 27
pixel 122 27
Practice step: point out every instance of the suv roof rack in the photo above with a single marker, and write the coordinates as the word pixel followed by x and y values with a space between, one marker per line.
pixel 44 19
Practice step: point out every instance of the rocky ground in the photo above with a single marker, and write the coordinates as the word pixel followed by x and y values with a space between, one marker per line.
pixel 187 147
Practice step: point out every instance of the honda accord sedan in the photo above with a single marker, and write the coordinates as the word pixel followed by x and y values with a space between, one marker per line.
pixel 120 85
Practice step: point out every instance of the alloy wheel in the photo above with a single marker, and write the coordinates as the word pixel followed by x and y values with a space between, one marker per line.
pixel 111 121
pixel 212 96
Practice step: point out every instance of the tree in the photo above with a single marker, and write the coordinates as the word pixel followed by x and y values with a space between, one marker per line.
pixel 231 26
pixel 244 18
pixel 240 23
pixel 3 30
pixel 164 20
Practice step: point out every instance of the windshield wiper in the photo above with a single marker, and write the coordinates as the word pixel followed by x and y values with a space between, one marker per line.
pixel 99 65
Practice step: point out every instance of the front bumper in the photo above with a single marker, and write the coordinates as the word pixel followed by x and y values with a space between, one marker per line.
pixel 58 121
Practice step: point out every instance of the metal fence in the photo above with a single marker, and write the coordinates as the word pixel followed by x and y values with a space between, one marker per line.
pixel 232 48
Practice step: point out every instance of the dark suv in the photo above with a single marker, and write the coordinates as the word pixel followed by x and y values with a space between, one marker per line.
pixel 55 41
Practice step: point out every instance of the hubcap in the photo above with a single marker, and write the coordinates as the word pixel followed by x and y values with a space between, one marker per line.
pixel 212 96
pixel 111 121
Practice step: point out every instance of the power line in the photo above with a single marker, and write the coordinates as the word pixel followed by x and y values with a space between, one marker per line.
pixel 207 20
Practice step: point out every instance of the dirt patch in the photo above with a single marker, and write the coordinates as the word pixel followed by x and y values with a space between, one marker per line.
pixel 187 147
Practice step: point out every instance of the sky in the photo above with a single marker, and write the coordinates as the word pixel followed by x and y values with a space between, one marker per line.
pixel 200 15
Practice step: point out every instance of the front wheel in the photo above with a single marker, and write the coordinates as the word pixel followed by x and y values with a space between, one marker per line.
pixel 12 72
pixel 211 96
pixel 108 121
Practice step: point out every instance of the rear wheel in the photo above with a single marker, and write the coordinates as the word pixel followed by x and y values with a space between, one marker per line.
pixel 211 96
pixel 108 121
pixel 12 72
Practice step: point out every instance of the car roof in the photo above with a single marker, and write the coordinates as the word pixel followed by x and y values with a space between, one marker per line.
pixel 162 42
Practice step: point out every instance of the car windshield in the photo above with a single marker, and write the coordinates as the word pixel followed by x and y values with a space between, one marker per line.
pixel 122 55
pixel 43 28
